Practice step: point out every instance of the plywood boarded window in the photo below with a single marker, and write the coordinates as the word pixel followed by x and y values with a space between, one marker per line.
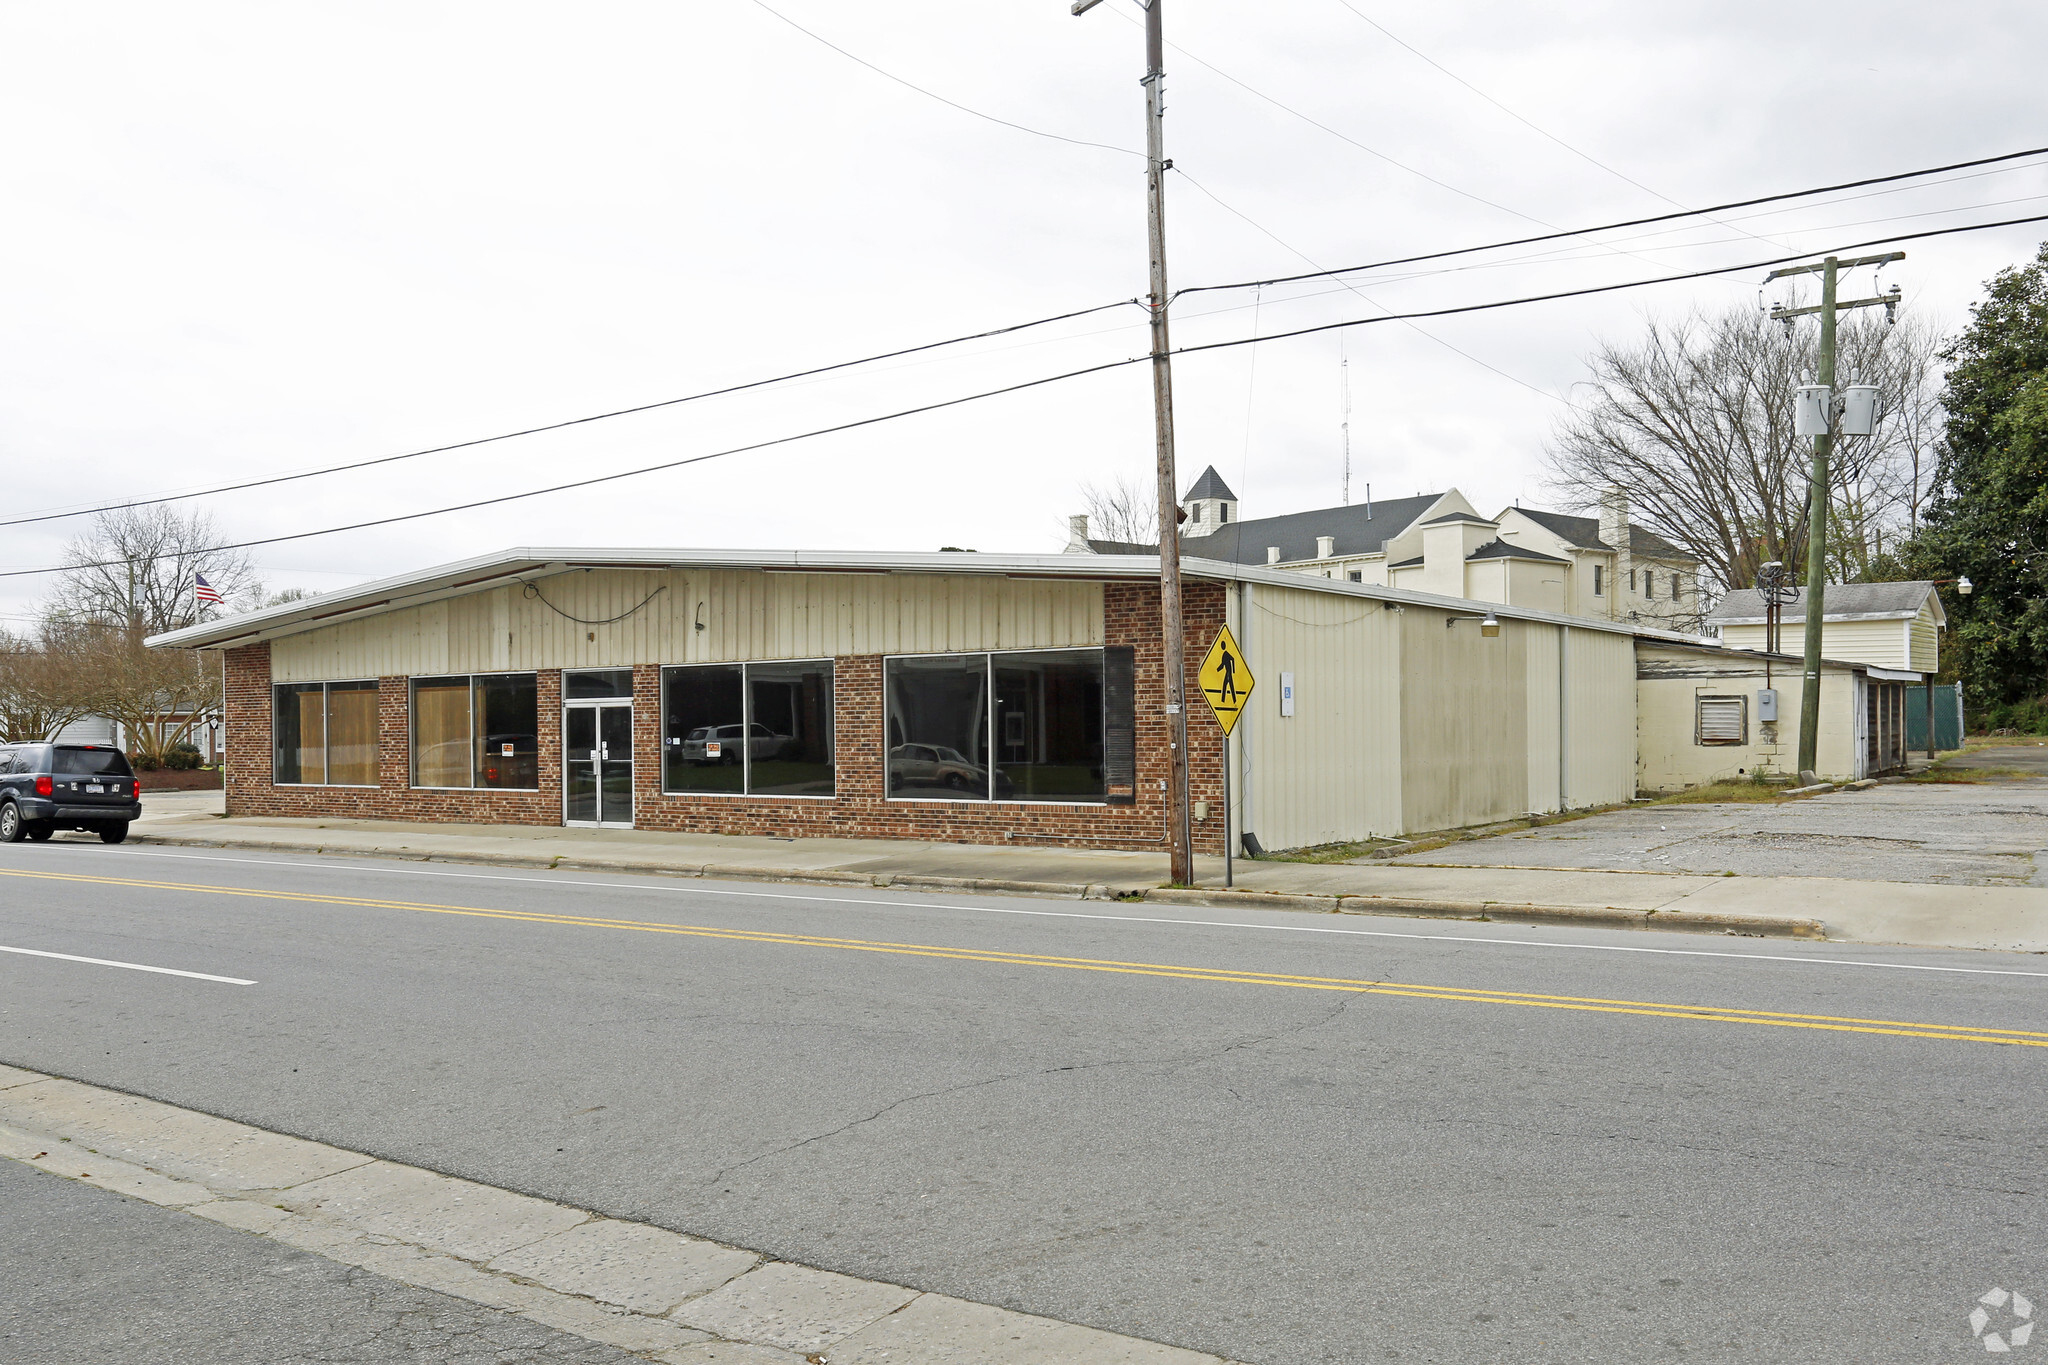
pixel 325 734
pixel 1723 720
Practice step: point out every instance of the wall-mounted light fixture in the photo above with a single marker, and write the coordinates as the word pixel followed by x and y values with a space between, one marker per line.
pixel 1489 624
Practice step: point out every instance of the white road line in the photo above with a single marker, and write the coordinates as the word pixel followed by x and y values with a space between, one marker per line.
pixel 695 887
pixel 131 966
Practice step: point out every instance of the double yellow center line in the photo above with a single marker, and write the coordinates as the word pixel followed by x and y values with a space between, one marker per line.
pixel 1590 1004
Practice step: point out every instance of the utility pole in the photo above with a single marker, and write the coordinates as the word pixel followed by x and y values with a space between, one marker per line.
pixel 1821 425
pixel 1179 831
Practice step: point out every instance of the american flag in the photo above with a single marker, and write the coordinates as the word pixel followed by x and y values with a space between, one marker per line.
pixel 204 590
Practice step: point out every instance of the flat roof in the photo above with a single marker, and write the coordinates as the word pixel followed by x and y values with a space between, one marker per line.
pixel 527 563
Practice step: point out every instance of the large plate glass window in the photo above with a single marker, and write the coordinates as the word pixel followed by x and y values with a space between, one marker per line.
pixel 324 734
pixel 1048 728
pixel 748 729
pixel 1024 726
pixel 938 726
pixel 476 731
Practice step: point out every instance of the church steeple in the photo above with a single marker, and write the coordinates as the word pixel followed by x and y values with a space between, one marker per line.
pixel 1210 505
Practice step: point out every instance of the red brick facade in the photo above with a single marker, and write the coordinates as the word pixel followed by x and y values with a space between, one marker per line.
pixel 859 810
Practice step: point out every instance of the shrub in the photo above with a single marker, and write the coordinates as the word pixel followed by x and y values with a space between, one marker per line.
pixel 2027 717
pixel 182 756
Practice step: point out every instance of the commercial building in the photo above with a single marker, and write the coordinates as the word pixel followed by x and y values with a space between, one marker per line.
pixel 952 696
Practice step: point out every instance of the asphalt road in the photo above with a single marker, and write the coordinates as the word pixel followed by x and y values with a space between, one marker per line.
pixel 92 1278
pixel 1104 1113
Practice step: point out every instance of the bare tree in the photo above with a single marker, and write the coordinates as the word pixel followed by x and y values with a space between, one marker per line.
pixel 47 680
pixel 1124 510
pixel 135 566
pixel 1694 423
pixel 159 697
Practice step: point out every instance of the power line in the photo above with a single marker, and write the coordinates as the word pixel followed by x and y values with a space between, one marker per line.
pixel 1058 378
pixel 1629 222
pixel 1422 331
pixel 1626 284
pixel 572 422
pixel 1544 132
pixel 911 85
pixel 1015 327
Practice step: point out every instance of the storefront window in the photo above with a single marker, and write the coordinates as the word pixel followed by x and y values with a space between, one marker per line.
pixel 1025 726
pixel 325 734
pixel 703 724
pixel 1049 725
pixel 789 718
pixel 476 731
pixel 748 729
pixel 938 726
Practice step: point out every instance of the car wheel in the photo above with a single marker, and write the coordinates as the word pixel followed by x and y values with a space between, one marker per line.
pixel 11 828
pixel 113 834
pixel 957 782
pixel 40 832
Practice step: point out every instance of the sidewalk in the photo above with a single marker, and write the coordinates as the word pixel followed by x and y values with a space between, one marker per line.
pixel 1997 917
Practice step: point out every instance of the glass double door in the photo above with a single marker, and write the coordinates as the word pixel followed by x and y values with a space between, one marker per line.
pixel 597 761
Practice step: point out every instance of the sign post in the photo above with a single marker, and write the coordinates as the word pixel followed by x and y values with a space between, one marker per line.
pixel 1226 683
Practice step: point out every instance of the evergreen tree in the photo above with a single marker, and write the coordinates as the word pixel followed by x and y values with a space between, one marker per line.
pixel 1989 518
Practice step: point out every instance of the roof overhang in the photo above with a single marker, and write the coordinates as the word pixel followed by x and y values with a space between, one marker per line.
pixel 1799 619
pixel 530 563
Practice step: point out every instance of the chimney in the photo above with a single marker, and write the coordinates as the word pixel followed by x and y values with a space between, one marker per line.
pixel 1272 554
pixel 1077 535
pixel 1326 547
pixel 1614 517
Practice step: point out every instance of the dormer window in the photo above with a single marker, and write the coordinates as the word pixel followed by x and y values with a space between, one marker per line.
pixel 1222 513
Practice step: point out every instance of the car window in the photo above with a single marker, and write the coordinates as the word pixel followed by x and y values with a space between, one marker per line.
pixel 92 762
pixel 6 761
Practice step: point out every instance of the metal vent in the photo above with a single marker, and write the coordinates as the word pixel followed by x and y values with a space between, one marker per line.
pixel 1723 720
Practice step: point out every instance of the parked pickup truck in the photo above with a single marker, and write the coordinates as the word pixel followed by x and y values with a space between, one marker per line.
pixel 48 787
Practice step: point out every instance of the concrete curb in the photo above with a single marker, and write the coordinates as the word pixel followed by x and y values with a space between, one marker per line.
pixel 644 1290
pixel 1595 917
pixel 1589 916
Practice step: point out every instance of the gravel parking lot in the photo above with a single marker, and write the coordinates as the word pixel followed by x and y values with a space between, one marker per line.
pixel 1994 834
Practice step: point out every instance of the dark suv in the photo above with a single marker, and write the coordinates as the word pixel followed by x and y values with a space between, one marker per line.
pixel 48 787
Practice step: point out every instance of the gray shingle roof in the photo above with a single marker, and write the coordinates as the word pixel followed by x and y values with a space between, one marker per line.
pixel 1843 599
pixel 1584 532
pixel 1357 529
pixel 1459 516
pixel 1500 549
pixel 1210 485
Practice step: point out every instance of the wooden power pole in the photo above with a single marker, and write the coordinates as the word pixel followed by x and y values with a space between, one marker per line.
pixel 1173 647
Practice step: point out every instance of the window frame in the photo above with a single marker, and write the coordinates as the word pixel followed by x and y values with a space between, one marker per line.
pixel 746 791
pixel 327 686
pixel 412 766
pixel 988 658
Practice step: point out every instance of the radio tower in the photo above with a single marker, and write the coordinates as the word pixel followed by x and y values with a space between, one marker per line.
pixel 1344 377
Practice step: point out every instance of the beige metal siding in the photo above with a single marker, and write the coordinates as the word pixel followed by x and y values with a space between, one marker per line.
pixel 1926 643
pixel 1333 770
pixel 747 614
pixel 1882 643
pixel 1602 756
pixel 1545 722
pixel 1464 723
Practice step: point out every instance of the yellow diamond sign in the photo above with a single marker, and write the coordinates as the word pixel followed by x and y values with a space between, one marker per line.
pixel 1226 680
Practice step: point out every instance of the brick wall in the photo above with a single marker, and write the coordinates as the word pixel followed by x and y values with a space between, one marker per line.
pixel 859 810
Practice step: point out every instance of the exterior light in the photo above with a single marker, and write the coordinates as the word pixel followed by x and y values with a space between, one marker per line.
pixel 1490 625
pixel 1964 586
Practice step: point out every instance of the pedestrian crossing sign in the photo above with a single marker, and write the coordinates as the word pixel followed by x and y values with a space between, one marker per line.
pixel 1225 679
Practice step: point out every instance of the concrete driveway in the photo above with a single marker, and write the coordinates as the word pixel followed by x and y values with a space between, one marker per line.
pixel 1994 834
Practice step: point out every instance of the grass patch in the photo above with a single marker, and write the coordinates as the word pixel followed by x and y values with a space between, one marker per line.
pixel 1744 790
pixel 1969 776
pixel 1347 851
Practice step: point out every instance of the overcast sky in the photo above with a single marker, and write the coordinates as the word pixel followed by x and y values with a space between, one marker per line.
pixel 244 239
